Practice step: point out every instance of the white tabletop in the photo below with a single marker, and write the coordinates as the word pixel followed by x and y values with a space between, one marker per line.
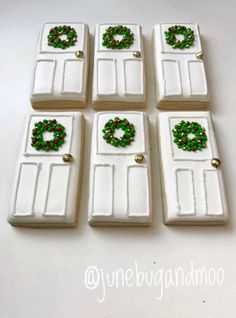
pixel 42 271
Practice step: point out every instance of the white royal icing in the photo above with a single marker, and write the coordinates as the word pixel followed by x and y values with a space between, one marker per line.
pixel 180 75
pixel 45 187
pixel 118 76
pixel 58 73
pixel 193 190
pixel 120 188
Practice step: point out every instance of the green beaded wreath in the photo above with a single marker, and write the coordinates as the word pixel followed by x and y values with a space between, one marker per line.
pixel 52 126
pixel 124 43
pixel 187 33
pixel 110 128
pixel 55 34
pixel 181 133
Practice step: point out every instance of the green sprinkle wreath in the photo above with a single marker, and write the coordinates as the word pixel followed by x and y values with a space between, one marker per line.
pixel 187 33
pixel 55 33
pixel 117 123
pixel 181 133
pixel 124 43
pixel 52 126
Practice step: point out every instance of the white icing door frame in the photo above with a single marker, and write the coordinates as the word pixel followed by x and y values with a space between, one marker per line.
pixel 46 188
pixel 180 73
pixel 118 75
pixel 193 189
pixel 60 75
pixel 120 188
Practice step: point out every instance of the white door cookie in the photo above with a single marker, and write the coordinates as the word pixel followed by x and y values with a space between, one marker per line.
pixel 60 74
pixel 180 72
pixel 192 181
pixel 45 191
pixel 119 76
pixel 120 185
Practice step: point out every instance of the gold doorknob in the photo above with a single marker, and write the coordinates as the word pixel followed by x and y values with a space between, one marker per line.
pixel 199 55
pixel 139 158
pixel 137 54
pixel 79 54
pixel 215 162
pixel 67 158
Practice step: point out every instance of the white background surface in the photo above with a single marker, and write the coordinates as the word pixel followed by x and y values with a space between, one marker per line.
pixel 42 271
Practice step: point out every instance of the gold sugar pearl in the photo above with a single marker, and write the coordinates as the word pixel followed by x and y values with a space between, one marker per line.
pixel 139 158
pixel 215 162
pixel 67 158
pixel 79 54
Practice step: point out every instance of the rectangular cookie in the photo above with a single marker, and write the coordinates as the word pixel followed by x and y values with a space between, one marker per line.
pixel 120 180
pixel 179 72
pixel 46 187
pixel 119 73
pixel 60 74
pixel 192 183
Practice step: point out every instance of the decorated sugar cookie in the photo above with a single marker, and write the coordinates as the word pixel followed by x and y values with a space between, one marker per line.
pixel 179 67
pixel 120 169
pixel 61 68
pixel 193 189
pixel 45 191
pixel 118 75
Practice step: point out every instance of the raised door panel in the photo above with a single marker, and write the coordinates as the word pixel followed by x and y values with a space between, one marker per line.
pixel 138 191
pixel 171 78
pixel 133 77
pixel 212 193
pixel 102 202
pixel 185 191
pixel 73 76
pixel 57 190
pixel 26 187
pixel 106 79
pixel 197 78
pixel 44 76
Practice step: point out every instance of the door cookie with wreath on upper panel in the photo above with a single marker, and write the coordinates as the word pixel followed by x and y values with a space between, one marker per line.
pixel 118 77
pixel 192 180
pixel 46 187
pixel 120 186
pixel 61 68
pixel 179 67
